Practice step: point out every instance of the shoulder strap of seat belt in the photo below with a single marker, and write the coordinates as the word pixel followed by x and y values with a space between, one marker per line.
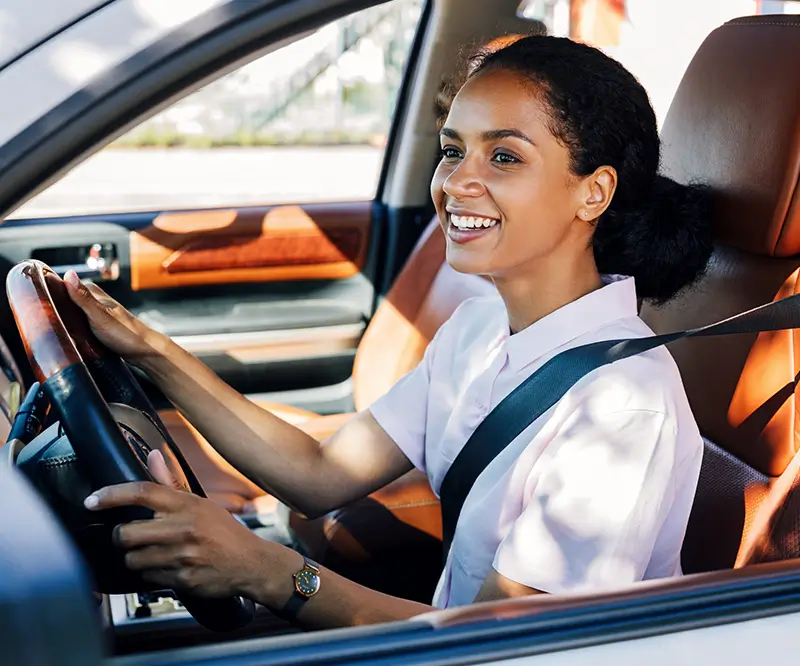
pixel 548 384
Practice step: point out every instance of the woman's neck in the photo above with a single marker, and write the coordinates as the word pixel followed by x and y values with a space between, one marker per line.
pixel 532 294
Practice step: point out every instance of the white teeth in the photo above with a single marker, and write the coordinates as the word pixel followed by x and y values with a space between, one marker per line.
pixel 472 222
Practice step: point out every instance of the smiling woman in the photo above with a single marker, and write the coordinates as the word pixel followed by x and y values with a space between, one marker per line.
pixel 547 181
pixel 583 133
pixel 547 184
pixel 591 497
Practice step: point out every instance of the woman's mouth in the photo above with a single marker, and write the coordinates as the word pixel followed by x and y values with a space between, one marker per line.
pixel 466 228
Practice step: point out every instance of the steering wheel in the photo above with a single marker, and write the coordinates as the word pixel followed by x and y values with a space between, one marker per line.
pixel 109 427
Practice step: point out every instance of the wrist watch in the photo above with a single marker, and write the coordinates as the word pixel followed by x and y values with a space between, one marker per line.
pixel 306 585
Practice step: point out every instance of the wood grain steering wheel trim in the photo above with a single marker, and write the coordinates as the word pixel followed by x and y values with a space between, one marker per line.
pixel 46 316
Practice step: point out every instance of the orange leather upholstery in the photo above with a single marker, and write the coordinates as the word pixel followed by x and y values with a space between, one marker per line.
pixel 256 244
pixel 735 124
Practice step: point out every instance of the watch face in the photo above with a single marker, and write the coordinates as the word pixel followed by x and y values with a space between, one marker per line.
pixel 307 582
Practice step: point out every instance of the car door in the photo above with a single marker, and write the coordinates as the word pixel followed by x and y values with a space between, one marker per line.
pixel 242 219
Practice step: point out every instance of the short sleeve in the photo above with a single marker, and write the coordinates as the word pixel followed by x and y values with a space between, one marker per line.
pixel 594 508
pixel 403 411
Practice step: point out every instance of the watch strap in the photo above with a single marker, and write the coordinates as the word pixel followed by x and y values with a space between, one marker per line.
pixel 292 607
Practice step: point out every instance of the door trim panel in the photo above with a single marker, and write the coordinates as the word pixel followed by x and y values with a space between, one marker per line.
pixel 256 244
pixel 263 346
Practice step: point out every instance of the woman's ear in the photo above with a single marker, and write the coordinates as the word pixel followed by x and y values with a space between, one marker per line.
pixel 597 190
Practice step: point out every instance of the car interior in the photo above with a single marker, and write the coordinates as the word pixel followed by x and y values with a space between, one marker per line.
pixel 374 276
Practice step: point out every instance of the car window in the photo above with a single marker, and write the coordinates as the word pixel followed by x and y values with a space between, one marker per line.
pixel 307 122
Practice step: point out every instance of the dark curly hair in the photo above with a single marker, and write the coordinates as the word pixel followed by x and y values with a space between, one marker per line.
pixel 655 229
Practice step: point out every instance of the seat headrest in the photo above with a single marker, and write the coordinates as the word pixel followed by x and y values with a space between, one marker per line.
pixel 734 124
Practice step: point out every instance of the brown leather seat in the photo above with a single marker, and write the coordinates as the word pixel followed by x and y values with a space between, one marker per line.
pixel 735 125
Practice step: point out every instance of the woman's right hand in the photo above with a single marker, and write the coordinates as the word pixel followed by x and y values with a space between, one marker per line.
pixel 114 326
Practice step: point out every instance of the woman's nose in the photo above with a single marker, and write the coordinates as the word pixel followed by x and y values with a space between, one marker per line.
pixel 463 182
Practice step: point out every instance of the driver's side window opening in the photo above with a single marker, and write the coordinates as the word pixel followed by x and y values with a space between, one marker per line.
pixel 307 122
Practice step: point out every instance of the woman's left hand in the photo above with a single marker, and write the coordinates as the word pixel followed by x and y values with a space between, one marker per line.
pixel 190 544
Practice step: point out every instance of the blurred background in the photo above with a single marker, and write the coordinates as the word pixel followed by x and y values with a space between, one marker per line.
pixel 321 107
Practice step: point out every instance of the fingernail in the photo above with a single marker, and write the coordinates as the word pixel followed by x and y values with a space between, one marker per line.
pixel 71 277
pixel 91 502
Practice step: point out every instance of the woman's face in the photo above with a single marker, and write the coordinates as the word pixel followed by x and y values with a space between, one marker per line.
pixel 503 190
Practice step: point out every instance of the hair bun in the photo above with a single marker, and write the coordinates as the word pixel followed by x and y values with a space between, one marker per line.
pixel 665 245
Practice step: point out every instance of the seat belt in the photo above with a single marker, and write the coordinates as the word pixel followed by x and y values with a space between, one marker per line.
pixel 548 384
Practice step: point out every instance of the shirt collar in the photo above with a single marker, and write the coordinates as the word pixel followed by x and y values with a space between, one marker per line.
pixel 616 300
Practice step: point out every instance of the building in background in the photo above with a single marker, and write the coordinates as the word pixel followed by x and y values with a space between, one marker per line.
pixel 335 86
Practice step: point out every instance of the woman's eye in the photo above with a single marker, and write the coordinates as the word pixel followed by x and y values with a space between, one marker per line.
pixel 504 158
pixel 450 153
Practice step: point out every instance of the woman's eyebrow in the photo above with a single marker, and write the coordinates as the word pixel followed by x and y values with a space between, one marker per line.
pixel 491 135
pixel 494 135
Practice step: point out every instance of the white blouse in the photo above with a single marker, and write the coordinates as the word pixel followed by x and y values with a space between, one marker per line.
pixel 596 493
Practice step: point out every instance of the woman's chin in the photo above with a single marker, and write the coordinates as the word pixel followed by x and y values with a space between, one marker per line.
pixel 471 263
